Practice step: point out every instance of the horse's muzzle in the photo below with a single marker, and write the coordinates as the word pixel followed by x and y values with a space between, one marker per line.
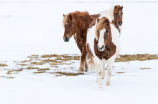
pixel 66 39
pixel 101 48
pixel 120 23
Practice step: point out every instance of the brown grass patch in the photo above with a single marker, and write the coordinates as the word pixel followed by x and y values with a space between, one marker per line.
pixel 37 63
pixel 2 76
pixel 9 77
pixel 139 57
pixel 120 72
pixel 2 65
pixel 9 72
pixel 30 67
pixel 19 69
pixel 43 69
pixel 145 68
pixel 22 64
pixel 65 73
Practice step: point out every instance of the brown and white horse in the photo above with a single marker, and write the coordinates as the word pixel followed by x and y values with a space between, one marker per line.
pixel 103 44
pixel 115 15
pixel 77 24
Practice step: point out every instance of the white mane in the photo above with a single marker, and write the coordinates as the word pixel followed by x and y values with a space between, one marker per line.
pixel 108 13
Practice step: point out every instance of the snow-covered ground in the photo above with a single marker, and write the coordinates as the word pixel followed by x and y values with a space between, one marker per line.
pixel 36 28
pixel 131 83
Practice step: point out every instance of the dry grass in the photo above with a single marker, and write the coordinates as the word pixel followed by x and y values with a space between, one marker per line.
pixel 9 77
pixel 9 72
pixel 39 72
pixel 22 64
pixel 19 69
pixel 120 72
pixel 43 69
pixel 37 63
pixel 65 73
pixel 30 67
pixel 2 65
pixel 57 60
pixel 145 68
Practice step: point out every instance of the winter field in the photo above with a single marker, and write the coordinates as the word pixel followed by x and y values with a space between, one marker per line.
pixel 38 67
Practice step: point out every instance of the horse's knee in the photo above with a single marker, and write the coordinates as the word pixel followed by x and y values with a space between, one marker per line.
pixel 100 73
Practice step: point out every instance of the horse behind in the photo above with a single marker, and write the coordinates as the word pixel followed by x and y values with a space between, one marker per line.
pixel 77 24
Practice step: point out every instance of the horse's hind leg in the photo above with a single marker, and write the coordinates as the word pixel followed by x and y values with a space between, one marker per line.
pixel 86 64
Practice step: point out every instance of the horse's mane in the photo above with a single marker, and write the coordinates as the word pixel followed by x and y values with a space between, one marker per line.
pixel 74 15
pixel 100 25
pixel 109 13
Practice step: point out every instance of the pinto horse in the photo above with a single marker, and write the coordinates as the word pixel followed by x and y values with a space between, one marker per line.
pixel 103 44
pixel 77 24
pixel 114 14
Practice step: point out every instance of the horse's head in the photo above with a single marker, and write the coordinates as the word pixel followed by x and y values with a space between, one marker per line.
pixel 118 13
pixel 103 33
pixel 69 26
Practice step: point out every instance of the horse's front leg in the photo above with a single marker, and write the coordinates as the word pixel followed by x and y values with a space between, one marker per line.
pixel 103 66
pixel 109 69
pixel 82 61
pixel 99 71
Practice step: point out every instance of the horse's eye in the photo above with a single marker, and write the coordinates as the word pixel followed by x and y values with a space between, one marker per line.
pixel 107 31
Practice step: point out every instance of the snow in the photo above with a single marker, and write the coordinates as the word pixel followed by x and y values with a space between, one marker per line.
pixel 134 86
pixel 35 27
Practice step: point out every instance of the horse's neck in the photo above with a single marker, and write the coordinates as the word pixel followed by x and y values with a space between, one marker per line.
pixel 110 50
pixel 110 45
pixel 82 32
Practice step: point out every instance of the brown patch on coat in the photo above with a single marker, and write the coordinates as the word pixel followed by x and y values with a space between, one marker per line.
pixel 110 48
pixel 118 13
pixel 78 23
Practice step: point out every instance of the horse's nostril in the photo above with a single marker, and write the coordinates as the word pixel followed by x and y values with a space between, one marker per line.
pixel 66 39
pixel 101 48
pixel 120 23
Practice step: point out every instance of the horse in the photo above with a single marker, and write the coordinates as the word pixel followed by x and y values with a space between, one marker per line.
pixel 115 15
pixel 103 44
pixel 77 24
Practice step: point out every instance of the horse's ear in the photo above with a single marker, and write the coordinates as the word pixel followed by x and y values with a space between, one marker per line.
pixel 97 20
pixel 70 17
pixel 64 15
pixel 107 21
pixel 122 7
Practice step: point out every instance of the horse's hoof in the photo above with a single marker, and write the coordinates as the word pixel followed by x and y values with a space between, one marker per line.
pixel 85 70
pixel 107 83
pixel 80 73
